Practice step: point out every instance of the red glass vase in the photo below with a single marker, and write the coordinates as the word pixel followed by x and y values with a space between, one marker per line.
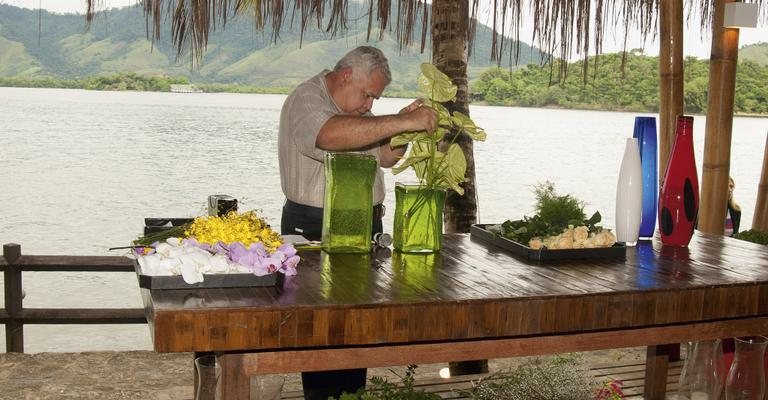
pixel 679 194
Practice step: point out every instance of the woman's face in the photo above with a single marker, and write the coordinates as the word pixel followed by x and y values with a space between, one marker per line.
pixel 731 186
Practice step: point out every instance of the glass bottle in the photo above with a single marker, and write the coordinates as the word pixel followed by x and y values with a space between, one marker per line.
pixel 679 194
pixel 746 379
pixel 645 133
pixel 629 195
pixel 348 206
pixel 700 378
pixel 207 378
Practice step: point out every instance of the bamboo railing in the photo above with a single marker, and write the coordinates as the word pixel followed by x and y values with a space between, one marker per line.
pixel 14 316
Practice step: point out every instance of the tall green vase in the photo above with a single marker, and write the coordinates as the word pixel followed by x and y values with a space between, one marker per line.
pixel 418 226
pixel 348 207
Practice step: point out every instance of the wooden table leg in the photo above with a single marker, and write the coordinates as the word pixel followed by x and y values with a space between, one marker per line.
pixel 656 366
pixel 235 384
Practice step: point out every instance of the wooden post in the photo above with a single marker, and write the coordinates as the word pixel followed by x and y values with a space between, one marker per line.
pixel 656 367
pixel 235 383
pixel 760 218
pixel 670 77
pixel 14 329
pixel 717 139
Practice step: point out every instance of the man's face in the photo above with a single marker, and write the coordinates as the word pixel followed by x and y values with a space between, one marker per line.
pixel 359 92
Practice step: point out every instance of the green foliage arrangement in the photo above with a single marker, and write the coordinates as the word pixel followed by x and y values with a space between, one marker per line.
pixel 381 389
pixel 754 236
pixel 554 213
pixel 437 169
pixel 565 377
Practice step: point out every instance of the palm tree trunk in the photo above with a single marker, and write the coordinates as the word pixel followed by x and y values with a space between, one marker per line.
pixel 450 28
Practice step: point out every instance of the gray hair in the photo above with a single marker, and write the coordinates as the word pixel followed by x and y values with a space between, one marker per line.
pixel 365 59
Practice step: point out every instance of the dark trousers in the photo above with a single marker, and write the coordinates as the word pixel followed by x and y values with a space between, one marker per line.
pixel 298 219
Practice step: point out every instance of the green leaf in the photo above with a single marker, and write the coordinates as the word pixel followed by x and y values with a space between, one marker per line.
pixel 409 162
pixel 442 113
pixel 468 126
pixel 403 138
pixel 426 155
pixel 454 167
pixel 435 84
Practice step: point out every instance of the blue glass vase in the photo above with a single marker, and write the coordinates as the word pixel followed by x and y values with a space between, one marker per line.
pixel 645 133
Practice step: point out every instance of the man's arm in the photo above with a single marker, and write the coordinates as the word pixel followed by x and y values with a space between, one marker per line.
pixel 389 156
pixel 346 132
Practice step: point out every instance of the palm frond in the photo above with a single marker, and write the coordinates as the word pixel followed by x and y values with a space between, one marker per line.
pixel 560 27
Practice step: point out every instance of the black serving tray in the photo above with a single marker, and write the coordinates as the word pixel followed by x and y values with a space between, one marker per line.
pixel 480 231
pixel 152 225
pixel 209 281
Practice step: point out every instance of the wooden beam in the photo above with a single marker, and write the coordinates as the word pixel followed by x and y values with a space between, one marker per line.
pixel 318 359
pixel 670 77
pixel 760 218
pixel 78 316
pixel 717 140
pixel 61 263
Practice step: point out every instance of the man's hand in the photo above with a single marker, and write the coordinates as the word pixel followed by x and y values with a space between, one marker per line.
pixel 410 107
pixel 421 117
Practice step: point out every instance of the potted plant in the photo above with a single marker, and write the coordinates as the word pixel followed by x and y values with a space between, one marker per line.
pixel 438 167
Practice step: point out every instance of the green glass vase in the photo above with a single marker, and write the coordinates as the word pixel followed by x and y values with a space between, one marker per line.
pixel 418 226
pixel 348 207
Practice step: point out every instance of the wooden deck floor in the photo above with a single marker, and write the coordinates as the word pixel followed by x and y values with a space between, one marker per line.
pixel 631 374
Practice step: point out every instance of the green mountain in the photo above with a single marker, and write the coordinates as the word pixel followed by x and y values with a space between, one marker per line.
pixel 40 45
pixel 757 53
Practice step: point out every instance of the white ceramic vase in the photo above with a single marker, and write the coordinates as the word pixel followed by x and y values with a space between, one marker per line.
pixel 629 195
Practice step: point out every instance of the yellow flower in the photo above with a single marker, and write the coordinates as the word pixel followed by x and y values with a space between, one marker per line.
pixel 247 228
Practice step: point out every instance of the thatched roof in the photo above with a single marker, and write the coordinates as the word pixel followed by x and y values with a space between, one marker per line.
pixel 560 27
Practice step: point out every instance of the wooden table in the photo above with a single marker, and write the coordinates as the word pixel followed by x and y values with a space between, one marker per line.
pixel 471 301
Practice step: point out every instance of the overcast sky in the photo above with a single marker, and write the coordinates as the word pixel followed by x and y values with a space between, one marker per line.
pixel 695 44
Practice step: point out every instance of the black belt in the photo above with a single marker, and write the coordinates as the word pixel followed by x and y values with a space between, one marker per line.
pixel 378 209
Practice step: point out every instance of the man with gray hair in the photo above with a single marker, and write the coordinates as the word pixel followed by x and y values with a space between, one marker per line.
pixel 331 112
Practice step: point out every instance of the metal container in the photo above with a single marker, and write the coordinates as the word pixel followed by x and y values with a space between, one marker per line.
pixel 221 204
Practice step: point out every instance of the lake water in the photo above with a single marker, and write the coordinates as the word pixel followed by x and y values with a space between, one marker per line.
pixel 83 168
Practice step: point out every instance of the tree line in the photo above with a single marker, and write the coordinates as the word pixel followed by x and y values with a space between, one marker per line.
pixel 611 85
pixel 118 81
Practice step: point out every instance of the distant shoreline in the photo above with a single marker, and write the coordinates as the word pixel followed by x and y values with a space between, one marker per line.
pixel 239 89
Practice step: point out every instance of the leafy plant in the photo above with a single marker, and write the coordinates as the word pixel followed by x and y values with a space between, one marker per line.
pixel 381 389
pixel 437 169
pixel 564 377
pixel 754 236
pixel 554 213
